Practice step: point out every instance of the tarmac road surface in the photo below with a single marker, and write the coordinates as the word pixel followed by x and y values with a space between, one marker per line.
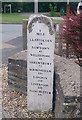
pixel 10 41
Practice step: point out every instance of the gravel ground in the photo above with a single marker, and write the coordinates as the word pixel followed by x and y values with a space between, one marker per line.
pixel 15 104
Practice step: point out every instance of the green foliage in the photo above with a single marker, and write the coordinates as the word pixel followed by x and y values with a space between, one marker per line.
pixel 53 9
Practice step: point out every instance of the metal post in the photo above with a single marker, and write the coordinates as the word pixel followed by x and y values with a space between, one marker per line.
pixel 10 8
pixel 36 6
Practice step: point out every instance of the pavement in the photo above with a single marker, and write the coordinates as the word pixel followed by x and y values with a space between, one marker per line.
pixel 10 31
pixel 11 41
pixel 10 48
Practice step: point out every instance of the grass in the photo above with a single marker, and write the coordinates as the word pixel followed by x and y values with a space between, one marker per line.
pixel 16 18
pixel 12 18
pixel 58 21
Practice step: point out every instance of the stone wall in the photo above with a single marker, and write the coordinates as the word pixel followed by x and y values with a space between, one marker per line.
pixel 67 81
pixel 68 88
pixel 17 72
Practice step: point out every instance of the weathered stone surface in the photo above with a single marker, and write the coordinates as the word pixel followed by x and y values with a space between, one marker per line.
pixel 19 56
pixel 17 72
pixel 24 33
pixel 69 73
pixel 17 69
pixel 40 63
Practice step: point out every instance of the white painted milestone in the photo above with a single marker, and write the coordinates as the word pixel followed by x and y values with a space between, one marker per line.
pixel 40 63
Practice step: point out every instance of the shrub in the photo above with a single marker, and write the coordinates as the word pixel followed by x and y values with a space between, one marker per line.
pixel 53 9
pixel 72 33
